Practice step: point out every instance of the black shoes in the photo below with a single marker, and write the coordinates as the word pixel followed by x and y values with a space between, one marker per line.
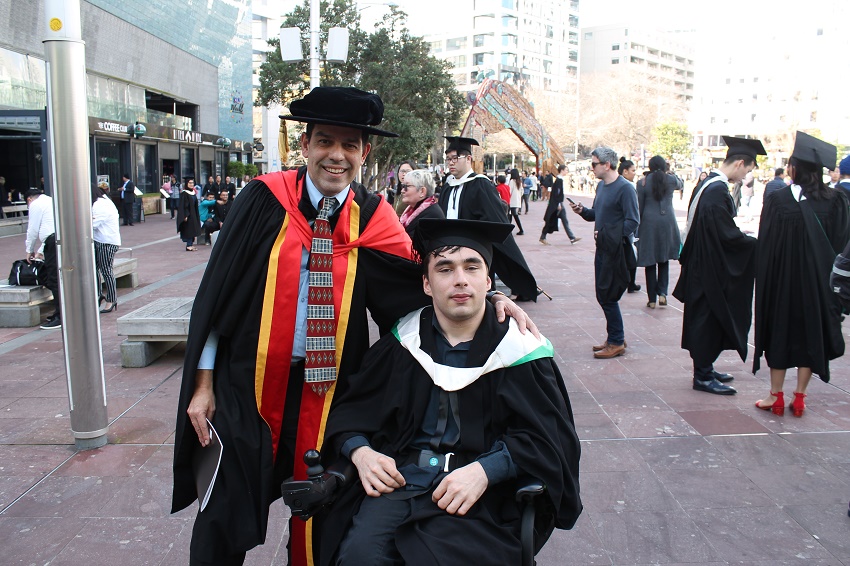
pixel 713 386
pixel 722 377
pixel 634 288
pixel 51 323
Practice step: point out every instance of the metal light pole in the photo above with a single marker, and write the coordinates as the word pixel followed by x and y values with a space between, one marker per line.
pixel 67 126
pixel 315 19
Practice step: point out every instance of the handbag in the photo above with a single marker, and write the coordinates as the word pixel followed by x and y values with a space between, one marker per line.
pixel 24 273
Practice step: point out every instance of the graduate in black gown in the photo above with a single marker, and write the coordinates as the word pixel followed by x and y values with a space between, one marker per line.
pixel 468 196
pixel 444 414
pixel 718 268
pixel 798 317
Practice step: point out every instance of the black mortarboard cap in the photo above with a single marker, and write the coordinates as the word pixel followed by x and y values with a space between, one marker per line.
pixel 433 234
pixel 459 144
pixel 743 146
pixel 340 106
pixel 812 150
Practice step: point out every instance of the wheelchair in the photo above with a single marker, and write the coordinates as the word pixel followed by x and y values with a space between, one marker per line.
pixel 307 497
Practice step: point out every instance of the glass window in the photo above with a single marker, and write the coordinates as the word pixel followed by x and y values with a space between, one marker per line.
pixel 573 55
pixel 108 161
pixel 23 84
pixel 482 40
pixel 615 61
pixel 509 59
pixel 615 47
pixel 455 43
pixel 509 40
pixel 478 59
pixel 573 21
pixel 145 177
pixel 509 4
pixel 587 34
pixel 187 165
pixel 509 22
pixel 549 32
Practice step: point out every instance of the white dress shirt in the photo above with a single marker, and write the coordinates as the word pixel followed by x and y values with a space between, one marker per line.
pixel 40 224
pixel 105 222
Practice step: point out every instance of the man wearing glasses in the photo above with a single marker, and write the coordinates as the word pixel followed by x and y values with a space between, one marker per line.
pixel 469 196
pixel 616 217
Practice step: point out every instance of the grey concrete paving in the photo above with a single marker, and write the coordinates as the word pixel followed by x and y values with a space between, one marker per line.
pixel 668 475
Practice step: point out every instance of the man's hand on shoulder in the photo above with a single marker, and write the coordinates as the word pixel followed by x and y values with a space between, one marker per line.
pixel 378 472
pixel 459 490
pixel 202 405
pixel 506 307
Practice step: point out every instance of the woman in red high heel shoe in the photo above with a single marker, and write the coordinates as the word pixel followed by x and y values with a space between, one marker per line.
pixel 797 316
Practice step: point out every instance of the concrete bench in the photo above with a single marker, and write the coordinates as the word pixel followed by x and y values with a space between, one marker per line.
pixel 20 306
pixel 153 330
pixel 13 226
pixel 16 209
pixel 125 272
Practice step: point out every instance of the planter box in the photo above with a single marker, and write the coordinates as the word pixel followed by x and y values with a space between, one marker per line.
pixel 152 205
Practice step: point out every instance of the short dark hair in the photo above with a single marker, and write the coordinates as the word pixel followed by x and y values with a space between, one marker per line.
pixel 501 179
pixel 747 159
pixel 32 193
pixel 779 171
pixel 561 168
pixel 126 175
pixel 364 135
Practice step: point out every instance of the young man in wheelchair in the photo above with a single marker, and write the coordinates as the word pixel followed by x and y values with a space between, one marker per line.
pixel 447 413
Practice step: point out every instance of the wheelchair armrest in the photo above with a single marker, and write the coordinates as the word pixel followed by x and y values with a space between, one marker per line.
pixel 307 497
pixel 528 489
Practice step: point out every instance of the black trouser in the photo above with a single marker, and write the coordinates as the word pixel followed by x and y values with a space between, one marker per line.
pixel 210 226
pixel 51 272
pixel 657 280
pixel 525 202
pixel 206 534
pixel 562 215
pixel 127 207
pixel 515 216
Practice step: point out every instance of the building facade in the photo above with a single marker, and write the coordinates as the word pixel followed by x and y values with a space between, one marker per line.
pixel 181 70
pixel 796 81
pixel 659 57
pixel 526 43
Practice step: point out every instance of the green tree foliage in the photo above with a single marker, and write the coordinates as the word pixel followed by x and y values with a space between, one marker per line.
pixel 671 139
pixel 235 169
pixel 420 100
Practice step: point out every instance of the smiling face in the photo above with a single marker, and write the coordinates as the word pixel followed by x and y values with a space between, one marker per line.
pixel 334 154
pixel 457 281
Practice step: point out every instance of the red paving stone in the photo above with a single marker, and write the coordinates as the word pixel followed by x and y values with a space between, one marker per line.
pixel 669 475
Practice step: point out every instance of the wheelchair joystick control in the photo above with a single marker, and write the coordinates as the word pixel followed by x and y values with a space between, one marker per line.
pixel 314 465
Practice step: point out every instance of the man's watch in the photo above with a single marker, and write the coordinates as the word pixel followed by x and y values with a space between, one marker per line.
pixel 491 294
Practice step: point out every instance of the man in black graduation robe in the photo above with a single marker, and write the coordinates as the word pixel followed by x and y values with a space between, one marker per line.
pixel 428 416
pixel 467 196
pixel 718 270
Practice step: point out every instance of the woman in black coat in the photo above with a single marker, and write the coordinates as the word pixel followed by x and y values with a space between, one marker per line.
pixel 660 240
pixel 188 218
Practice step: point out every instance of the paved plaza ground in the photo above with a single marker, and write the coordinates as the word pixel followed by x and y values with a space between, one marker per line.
pixel 668 475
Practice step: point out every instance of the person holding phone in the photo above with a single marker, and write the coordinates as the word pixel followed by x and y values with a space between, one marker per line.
pixel 616 218
pixel 555 210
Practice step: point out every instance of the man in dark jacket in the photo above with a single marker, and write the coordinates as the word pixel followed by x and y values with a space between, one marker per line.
pixel 778 182
pixel 616 217
pixel 128 197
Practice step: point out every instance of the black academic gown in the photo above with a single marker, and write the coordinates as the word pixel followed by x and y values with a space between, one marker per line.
pixel 798 317
pixel 480 200
pixel 556 199
pixel 716 281
pixel 188 209
pixel 230 297
pixel 525 406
